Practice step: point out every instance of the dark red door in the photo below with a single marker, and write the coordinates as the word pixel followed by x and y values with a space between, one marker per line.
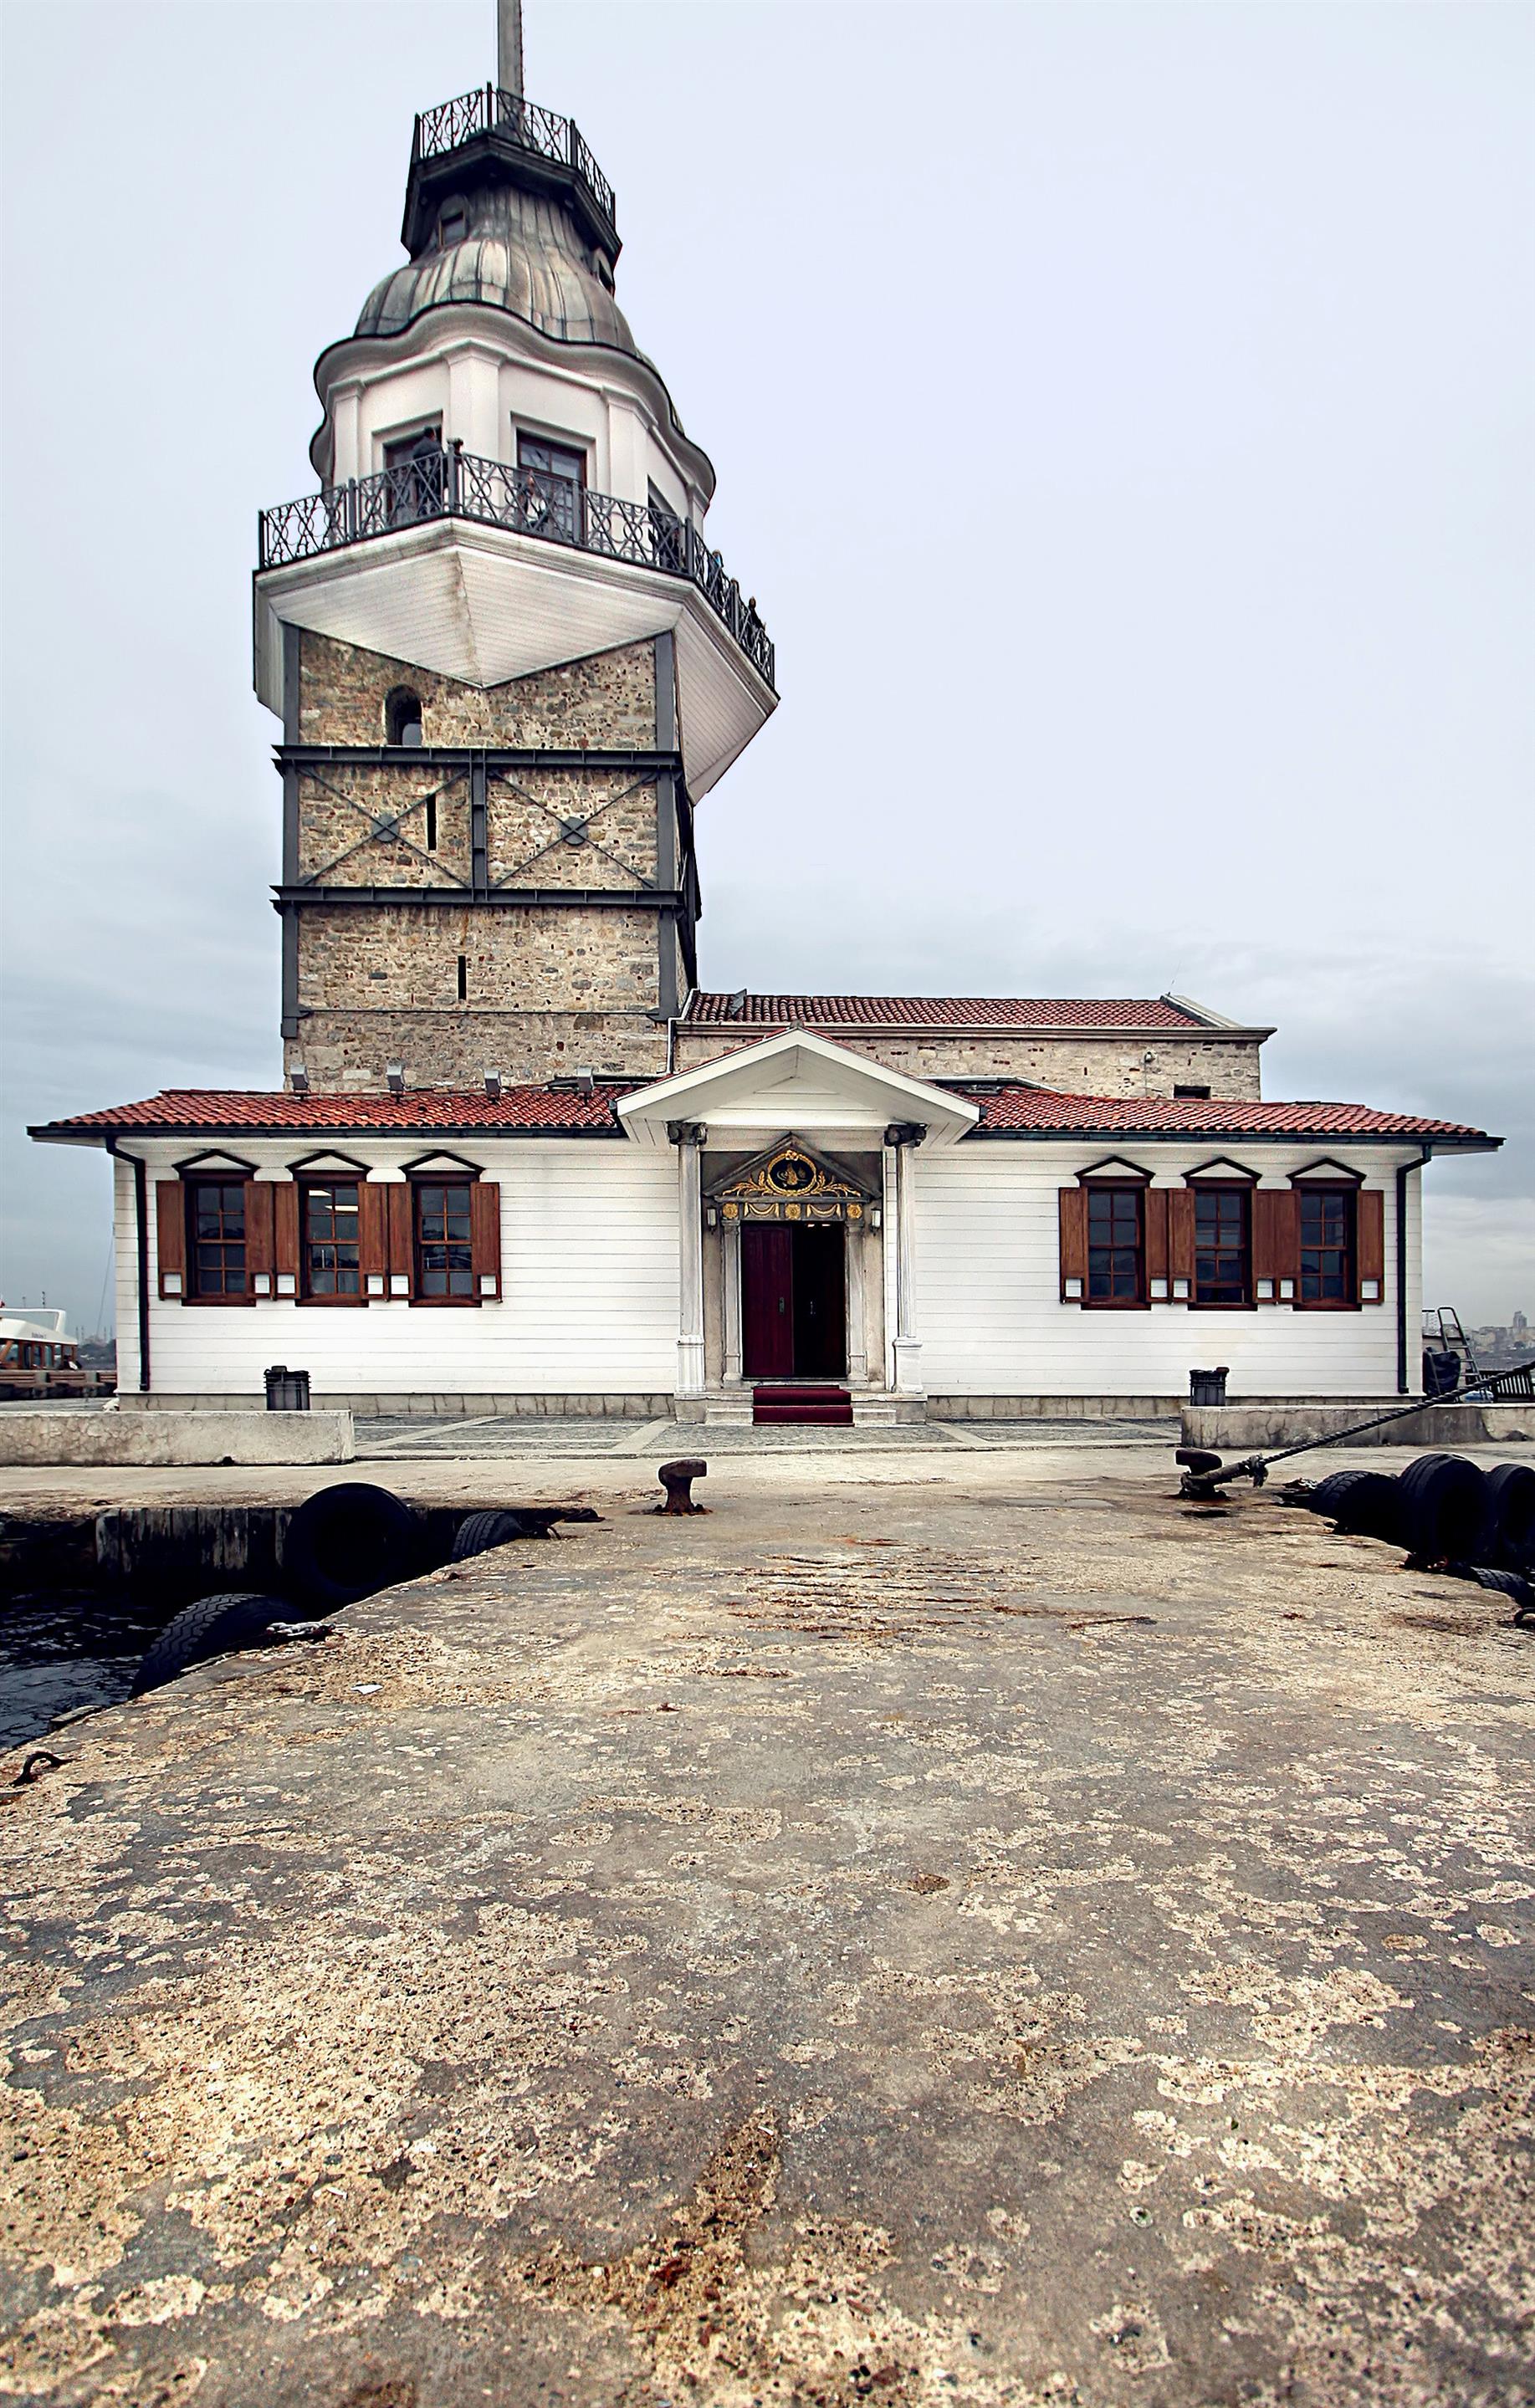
pixel 767 1312
pixel 820 1300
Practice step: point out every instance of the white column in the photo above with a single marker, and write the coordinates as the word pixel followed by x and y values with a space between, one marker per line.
pixel 891 1235
pixel 732 1302
pixel 690 1218
pixel 857 1307
pixel 908 1346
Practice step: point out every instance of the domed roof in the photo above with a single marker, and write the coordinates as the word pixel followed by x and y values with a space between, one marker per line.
pixel 509 250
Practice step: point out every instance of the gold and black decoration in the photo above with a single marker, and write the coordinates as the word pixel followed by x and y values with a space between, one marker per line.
pixel 789 1183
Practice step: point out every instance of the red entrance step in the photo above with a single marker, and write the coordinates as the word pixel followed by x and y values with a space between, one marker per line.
pixel 794 1404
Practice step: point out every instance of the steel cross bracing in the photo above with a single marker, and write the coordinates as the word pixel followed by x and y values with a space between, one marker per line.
pixel 573 830
pixel 455 484
pixel 384 828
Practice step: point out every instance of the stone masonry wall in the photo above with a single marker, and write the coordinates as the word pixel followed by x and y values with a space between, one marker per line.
pixel 548 989
pixel 607 699
pixel 1078 1065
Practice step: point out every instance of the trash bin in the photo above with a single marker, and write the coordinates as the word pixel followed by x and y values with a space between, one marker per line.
pixel 287 1392
pixel 1441 1371
pixel 1208 1387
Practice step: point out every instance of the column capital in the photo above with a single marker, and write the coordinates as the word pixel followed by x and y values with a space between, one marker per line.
pixel 687 1133
pixel 904 1133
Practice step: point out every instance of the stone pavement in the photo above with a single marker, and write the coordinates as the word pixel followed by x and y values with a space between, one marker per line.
pixel 920 1932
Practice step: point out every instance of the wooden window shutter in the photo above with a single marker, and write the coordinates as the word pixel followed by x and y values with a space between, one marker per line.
pixel 285 1235
pixel 401 1200
pixel 373 1236
pixel 1181 1243
pixel 1276 1245
pixel 170 1236
pixel 486 1237
pixel 1074 1244
pixel 260 1237
pixel 1370 1243
pixel 1155 1203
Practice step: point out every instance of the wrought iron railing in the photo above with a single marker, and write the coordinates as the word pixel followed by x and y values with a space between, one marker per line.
pixel 522 121
pixel 454 483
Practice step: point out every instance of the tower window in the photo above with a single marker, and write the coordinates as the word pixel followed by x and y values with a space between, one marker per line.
pixel 552 480
pixel 463 978
pixel 402 716
pixel 415 474
pixel 453 224
pixel 431 823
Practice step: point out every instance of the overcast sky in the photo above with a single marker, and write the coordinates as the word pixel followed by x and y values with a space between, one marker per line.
pixel 1122 415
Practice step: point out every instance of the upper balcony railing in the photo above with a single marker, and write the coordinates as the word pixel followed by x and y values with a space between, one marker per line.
pixel 489 111
pixel 455 484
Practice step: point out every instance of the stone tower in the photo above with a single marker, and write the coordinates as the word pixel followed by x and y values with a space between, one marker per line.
pixel 506 661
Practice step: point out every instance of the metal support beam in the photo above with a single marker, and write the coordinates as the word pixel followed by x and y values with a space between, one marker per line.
pixel 668 1000
pixel 479 876
pixel 497 757
pixel 532 898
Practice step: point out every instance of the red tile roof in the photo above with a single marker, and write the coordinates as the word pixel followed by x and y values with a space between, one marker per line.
pixel 204 1110
pixel 766 1012
pixel 1036 1111
pixel 559 1111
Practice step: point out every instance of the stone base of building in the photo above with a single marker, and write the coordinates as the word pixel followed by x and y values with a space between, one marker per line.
pixel 1287 1421
pixel 1053 1409
pixel 425 1405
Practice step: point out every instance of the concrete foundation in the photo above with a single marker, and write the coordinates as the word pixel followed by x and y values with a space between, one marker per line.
pixel 151 1437
pixel 1231 1428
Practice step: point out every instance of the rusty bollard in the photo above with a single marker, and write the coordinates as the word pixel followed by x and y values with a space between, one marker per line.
pixel 677 1479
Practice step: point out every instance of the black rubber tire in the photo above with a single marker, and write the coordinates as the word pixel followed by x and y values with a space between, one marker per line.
pixel 1446 1510
pixel 478 1531
pixel 348 1541
pixel 211 1626
pixel 1509 1584
pixel 1365 1502
pixel 1511 1488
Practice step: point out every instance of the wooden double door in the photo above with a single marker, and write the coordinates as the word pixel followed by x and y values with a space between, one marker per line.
pixel 794 1300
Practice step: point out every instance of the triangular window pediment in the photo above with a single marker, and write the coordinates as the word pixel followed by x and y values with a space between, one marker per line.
pixel 790 1181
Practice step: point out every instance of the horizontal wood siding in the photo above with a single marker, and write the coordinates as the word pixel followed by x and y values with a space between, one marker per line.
pixel 992 1323
pixel 588 1271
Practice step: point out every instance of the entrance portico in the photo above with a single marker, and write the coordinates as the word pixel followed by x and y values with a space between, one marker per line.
pixel 795 1220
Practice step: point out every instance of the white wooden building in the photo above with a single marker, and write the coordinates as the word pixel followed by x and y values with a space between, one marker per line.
pixel 790 1216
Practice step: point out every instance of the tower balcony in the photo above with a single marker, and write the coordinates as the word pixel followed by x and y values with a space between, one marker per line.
pixel 489 127
pixel 453 483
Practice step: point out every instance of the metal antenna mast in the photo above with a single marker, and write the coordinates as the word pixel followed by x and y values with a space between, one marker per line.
pixel 508 45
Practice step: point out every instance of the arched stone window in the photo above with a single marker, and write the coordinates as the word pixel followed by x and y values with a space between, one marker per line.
pixel 402 716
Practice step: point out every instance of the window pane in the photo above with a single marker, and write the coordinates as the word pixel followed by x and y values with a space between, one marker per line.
pixel 444 1266
pixel 1114 1245
pixel 332 1259
pixel 1326 1245
pixel 217 1216
pixel 1221 1245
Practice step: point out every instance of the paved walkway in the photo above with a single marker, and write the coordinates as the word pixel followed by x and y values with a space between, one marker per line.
pixel 472 1439
pixel 926 1932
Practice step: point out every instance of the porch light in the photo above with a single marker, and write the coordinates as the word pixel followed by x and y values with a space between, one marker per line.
pixel 492 1085
pixel 299 1079
pixel 395 1074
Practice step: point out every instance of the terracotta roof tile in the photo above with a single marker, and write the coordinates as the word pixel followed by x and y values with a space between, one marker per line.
pixel 766 1011
pixel 205 1110
pixel 555 1111
pixel 1036 1110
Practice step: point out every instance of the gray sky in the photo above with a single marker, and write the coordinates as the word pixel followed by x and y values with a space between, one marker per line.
pixel 1122 415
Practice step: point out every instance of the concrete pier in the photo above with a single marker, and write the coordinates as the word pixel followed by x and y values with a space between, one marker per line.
pixel 907 1935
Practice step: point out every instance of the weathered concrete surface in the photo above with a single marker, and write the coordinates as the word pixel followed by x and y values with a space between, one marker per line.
pixel 1284 1423
pixel 58 1436
pixel 888 1940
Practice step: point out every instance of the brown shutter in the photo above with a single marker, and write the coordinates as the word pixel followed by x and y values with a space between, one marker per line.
pixel 401 1252
pixel 1181 1240
pixel 485 1236
pixel 1370 1241
pixel 1156 1240
pixel 170 1235
pixel 1075 1242
pixel 1276 1241
pixel 260 1238
pixel 373 1236
pixel 285 1233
